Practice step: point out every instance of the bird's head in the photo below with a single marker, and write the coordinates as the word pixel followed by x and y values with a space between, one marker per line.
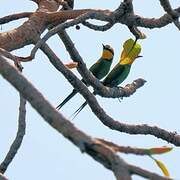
pixel 130 52
pixel 108 52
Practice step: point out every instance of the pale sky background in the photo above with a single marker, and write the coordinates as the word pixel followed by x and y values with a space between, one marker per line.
pixel 46 154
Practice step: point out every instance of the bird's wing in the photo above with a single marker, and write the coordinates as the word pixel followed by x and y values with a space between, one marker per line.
pixel 114 75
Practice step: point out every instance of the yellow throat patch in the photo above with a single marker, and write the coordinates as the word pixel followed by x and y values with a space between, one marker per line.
pixel 107 54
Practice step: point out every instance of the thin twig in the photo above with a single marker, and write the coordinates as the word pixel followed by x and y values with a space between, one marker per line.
pixel 97 27
pixel 123 149
pixel 19 137
pixel 146 174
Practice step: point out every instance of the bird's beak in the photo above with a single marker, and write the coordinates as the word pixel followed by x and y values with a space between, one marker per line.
pixel 139 56
pixel 103 46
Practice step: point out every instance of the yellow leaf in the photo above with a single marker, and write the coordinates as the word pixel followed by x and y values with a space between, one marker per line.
pixel 71 65
pixel 162 167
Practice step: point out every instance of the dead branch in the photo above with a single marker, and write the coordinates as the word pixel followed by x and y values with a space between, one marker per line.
pixel 19 137
pixel 144 129
pixel 130 21
pixel 100 153
pixel 146 174
pixel 100 113
pixel 45 17
pixel 96 27
pixel 13 17
pixel 90 79
pixel 173 14
pixel 35 26
pixel 123 149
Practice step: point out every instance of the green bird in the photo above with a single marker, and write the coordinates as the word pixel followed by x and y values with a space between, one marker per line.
pixel 121 70
pixel 99 69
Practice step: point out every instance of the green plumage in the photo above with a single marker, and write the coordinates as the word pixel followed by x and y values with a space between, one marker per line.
pixel 120 72
pixel 117 75
pixel 99 69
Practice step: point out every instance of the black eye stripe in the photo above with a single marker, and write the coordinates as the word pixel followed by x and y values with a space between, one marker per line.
pixel 109 50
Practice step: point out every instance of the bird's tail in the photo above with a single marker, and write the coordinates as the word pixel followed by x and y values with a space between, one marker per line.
pixel 79 110
pixel 73 93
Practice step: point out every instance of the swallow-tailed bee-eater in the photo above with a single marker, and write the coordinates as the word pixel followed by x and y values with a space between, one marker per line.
pixel 131 51
pixel 99 69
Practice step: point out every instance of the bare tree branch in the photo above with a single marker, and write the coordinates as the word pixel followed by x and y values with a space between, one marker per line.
pixel 146 174
pixel 102 154
pixel 96 27
pixel 93 15
pixel 144 129
pixel 36 24
pixel 118 16
pixel 167 7
pixel 19 137
pixel 125 149
pixel 45 17
pixel 13 17
pixel 91 80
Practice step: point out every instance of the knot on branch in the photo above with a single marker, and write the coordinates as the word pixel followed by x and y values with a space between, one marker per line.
pixel 129 89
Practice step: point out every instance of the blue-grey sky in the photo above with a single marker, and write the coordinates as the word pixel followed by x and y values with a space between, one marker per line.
pixel 45 154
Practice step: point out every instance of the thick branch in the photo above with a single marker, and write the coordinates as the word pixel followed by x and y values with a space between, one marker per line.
pixel 102 154
pixel 101 114
pixel 13 17
pixel 93 15
pixel 33 28
pixel 30 31
pixel 42 18
pixel 60 123
pixel 56 18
